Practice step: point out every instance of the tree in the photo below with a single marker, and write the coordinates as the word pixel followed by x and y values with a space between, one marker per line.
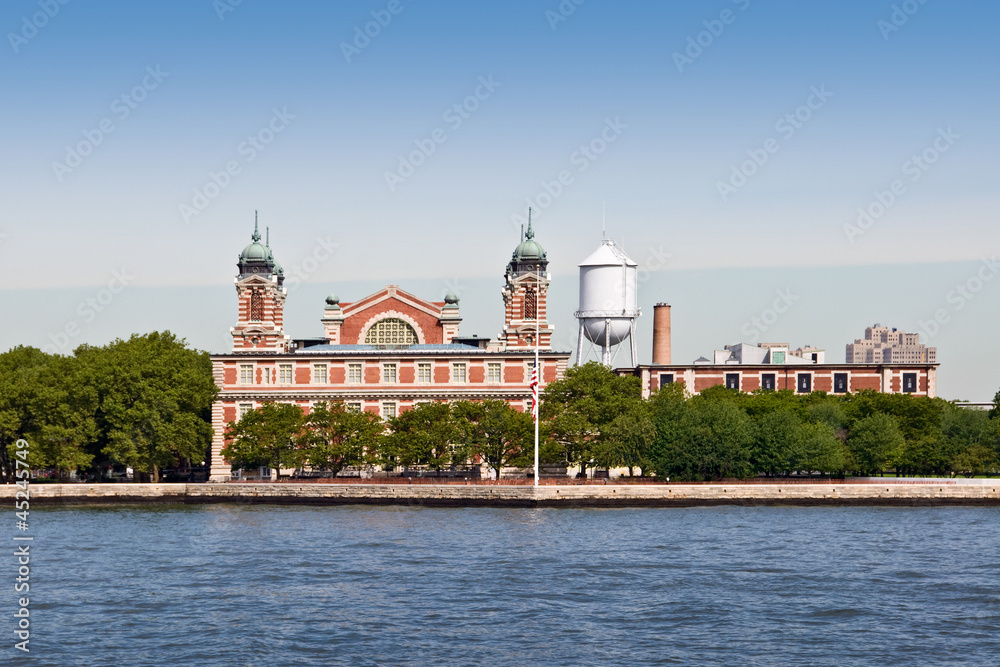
pixel 497 433
pixel 995 410
pixel 874 442
pixel 581 405
pixel 425 435
pixel 702 439
pixel 820 450
pixel 266 437
pixel 777 442
pixel 627 440
pixel 155 397
pixel 336 436
pixel 47 400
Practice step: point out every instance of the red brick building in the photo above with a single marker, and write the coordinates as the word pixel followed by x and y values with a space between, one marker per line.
pixel 381 353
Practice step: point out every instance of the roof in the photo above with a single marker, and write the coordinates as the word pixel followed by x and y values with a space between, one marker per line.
pixel 609 254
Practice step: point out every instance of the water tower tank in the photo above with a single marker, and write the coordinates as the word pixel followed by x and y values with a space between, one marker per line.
pixel 609 300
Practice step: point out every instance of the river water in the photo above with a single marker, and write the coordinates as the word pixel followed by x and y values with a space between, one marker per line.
pixel 251 585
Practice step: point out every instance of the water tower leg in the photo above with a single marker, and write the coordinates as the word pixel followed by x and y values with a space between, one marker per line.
pixel 631 337
pixel 606 357
pixel 579 346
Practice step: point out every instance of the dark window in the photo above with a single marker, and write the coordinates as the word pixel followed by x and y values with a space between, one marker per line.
pixel 665 379
pixel 256 307
pixel 530 304
pixel 909 382
pixel 767 381
pixel 733 381
pixel 805 383
pixel 840 383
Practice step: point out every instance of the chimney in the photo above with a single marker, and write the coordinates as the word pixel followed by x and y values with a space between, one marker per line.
pixel 661 334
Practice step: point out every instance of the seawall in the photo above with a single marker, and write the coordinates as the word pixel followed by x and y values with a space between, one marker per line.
pixel 451 495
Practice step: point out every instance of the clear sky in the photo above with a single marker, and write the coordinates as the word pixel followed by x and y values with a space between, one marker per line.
pixel 733 144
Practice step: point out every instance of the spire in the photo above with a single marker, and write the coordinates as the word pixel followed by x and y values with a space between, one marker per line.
pixel 267 231
pixel 256 232
pixel 530 234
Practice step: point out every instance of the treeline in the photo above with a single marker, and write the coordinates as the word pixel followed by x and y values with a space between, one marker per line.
pixel 144 402
pixel 593 418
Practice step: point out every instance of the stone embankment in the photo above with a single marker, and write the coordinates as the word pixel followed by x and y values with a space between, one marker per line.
pixel 453 495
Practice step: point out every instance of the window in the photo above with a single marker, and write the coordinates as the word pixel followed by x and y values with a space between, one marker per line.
pixel 389 373
pixel 530 304
pixel 265 376
pixel 355 406
pixel 767 381
pixel 493 372
pixel 804 383
pixel 319 373
pixel 840 383
pixel 244 408
pixel 665 379
pixel 733 381
pixel 354 373
pixel 424 373
pixel 777 357
pixel 256 306
pixel 909 382
pixel 391 332
pixel 246 373
pixel 284 373
pixel 388 410
pixel 458 373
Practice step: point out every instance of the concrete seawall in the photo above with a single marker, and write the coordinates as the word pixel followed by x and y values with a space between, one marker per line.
pixel 444 495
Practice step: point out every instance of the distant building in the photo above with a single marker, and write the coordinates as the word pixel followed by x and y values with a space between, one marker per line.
pixel 882 345
pixel 774 366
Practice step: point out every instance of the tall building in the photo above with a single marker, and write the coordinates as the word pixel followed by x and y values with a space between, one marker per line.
pixel 382 353
pixel 882 345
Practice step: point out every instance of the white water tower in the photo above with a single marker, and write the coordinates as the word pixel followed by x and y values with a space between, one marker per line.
pixel 609 301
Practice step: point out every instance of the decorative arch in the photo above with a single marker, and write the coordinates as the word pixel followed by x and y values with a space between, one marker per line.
pixel 392 330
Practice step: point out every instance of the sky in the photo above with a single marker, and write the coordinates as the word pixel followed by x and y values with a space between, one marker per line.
pixel 837 159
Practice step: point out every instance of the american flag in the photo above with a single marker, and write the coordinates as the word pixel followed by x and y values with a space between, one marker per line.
pixel 534 392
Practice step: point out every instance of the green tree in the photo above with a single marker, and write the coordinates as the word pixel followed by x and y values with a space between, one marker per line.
pixel 820 450
pixel 497 433
pixel 579 407
pixel 874 443
pixel 336 436
pixel 628 439
pixel 777 442
pixel 995 410
pixel 702 439
pixel 425 435
pixel 267 437
pixel 155 397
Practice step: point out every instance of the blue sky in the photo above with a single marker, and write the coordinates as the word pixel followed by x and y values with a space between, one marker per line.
pixel 675 130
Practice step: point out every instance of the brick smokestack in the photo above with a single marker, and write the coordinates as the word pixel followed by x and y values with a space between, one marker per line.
pixel 661 333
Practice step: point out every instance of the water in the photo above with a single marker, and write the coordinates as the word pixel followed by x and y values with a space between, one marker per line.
pixel 232 585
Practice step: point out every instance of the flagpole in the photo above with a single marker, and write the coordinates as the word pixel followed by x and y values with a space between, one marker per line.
pixel 537 369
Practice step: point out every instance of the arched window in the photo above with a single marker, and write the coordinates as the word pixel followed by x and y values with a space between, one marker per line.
pixel 530 304
pixel 256 306
pixel 391 332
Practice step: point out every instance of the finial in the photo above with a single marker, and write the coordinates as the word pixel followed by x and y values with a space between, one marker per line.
pixel 530 235
pixel 267 237
pixel 522 232
pixel 604 220
pixel 256 233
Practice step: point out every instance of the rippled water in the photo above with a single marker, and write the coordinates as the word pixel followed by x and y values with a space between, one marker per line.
pixel 233 585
